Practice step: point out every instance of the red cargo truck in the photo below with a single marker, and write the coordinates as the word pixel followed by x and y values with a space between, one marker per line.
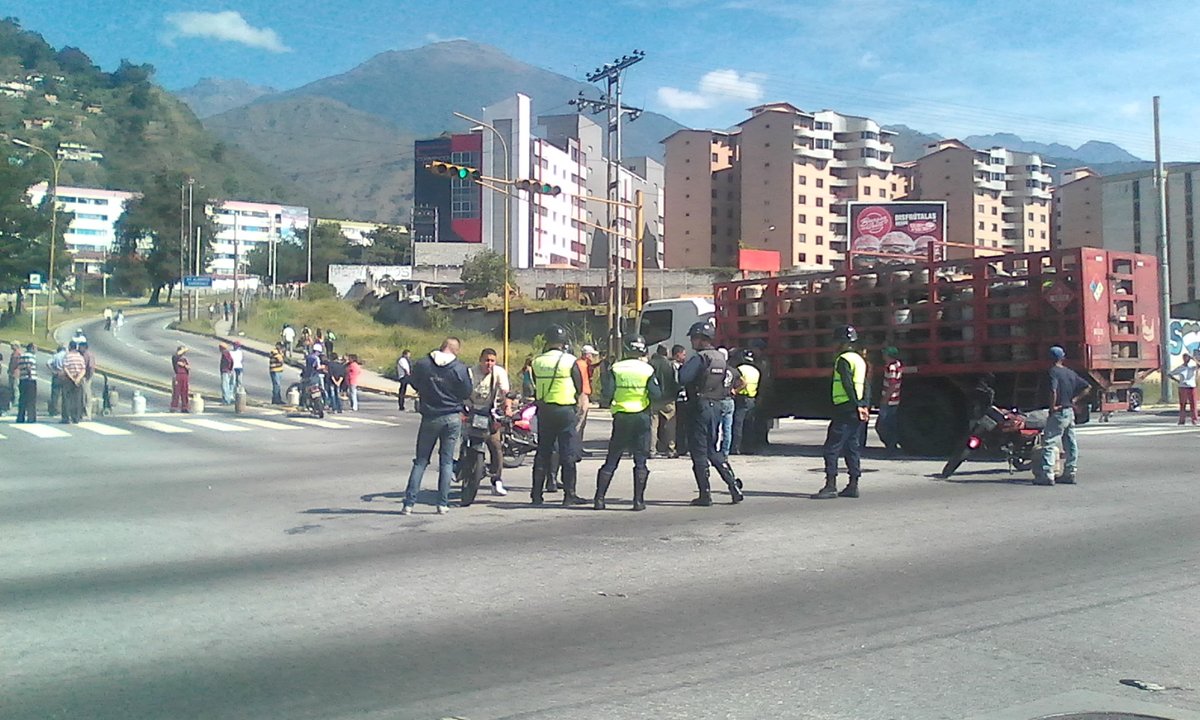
pixel 953 321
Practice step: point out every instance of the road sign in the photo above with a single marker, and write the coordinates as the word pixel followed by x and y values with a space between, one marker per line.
pixel 197 281
pixel 35 281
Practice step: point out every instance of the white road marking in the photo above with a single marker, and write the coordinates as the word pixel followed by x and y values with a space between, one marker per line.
pixel 317 422
pixel 365 421
pixel 102 429
pixel 42 431
pixel 215 425
pixel 161 427
pixel 268 424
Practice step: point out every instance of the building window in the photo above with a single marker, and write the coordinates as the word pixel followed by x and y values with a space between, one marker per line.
pixel 1043 234
pixel 820 202
pixel 1043 218
pixel 802 180
pixel 820 259
pixel 866 190
pixel 820 182
pixel 822 144
pixel 822 125
pixel 882 193
pixel 802 257
pixel 980 224
pixel 730 196
pixel 802 237
pixel 715 158
pixel 1031 217
pixel 995 210
pixel 893 187
pixel 802 199
pixel 1030 232
pixel 801 218
pixel 820 220
pixel 820 239
pixel 980 207
pixel 995 227
pixel 714 194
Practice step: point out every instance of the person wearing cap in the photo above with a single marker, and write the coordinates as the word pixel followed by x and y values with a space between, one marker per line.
pixel 745 398
pixel 708 379
pixel 630 387
pixel 180 374
pixel 1065 389
pixel 848 418
pixel 586 362
pixel 887 424
pixel 227 379
pixel 73 371
pixel 558 384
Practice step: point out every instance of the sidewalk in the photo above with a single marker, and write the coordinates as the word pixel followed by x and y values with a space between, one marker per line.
pixel 369 381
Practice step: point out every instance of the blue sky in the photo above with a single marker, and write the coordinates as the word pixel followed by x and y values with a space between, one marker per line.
pixel 1053 71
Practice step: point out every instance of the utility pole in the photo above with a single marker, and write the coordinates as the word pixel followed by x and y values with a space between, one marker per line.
pixel 610 101
pixel 639 220
pixel 195 297
pixel 183 243
pixel 1164 261
pixel 236 298
pixel 311 228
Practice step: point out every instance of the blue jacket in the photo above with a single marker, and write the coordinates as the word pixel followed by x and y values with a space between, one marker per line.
pixel 443 383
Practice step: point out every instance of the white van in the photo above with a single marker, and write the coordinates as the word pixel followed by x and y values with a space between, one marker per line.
pixel 666 322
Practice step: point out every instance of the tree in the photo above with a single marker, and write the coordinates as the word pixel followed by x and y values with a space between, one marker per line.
pixel 291 257
pixel 388 246
pixel 484 273
pixel 149 229
pixel 25 230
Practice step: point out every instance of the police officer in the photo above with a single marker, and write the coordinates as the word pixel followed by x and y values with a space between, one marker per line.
pixel 744 400
pixel 557 386
pixel 849 417
pixel 630 387
pixel 709 379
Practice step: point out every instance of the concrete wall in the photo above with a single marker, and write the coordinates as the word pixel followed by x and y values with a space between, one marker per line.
pixel 523 325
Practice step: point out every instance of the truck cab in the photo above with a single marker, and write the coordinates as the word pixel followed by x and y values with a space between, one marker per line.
pixel 666 322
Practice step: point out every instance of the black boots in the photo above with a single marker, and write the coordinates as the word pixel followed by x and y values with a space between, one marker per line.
pixel 539 481
pixel 568 486
pixel 827 492
pixel 639 489
pixel 851 490
pixel 705 497
pixel 603 480
pixel 734 485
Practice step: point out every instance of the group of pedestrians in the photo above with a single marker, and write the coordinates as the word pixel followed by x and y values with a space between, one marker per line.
pixel 114 321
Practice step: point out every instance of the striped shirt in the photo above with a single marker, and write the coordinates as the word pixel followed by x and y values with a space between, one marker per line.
pixel 893 373
pixel 27 366
pixel 74 367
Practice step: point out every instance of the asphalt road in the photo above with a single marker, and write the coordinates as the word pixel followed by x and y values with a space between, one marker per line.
pixel 266 573
pixel 145 345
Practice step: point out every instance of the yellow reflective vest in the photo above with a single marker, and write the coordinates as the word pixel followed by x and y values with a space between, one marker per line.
pixel 552 377
pixel 859 366
pixel 751 376
pixel 631 392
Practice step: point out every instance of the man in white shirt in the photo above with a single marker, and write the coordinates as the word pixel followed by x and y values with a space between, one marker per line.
pixel 1185 375
pixel 238 360
pixel 288 335
pixel 404 374
pixel 489 382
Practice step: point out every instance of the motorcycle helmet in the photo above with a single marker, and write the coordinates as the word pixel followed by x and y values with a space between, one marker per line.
pixel 702 328
pixel 748 355
pixel 635 345
pixel 845 334
pixel 556 335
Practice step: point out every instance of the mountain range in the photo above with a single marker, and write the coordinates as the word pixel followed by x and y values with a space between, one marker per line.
pixel 355 131
pixel 346 141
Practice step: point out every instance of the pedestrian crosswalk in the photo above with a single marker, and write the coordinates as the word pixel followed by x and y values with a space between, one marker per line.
pixel 133 426
pixel 1141 429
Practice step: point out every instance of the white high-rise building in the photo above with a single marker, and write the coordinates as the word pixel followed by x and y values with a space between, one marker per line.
pixel 247 226
pixel 91 235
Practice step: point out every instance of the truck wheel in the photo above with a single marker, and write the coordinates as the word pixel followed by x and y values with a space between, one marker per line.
pixel 932 420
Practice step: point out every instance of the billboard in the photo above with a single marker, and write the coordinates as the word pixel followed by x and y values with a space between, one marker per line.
pixel 291 221
pixel 905 228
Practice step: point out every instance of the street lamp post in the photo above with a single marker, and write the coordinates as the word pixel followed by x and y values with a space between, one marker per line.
pixel 57 165
pixel 507 224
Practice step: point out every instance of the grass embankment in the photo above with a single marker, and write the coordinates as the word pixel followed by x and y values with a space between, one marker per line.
pixel 93 309
pixel 376 344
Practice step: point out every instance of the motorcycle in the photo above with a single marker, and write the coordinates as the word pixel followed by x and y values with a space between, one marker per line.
pixel 478 425
pixel 316 399
pixel 519 436
pixel 1014 435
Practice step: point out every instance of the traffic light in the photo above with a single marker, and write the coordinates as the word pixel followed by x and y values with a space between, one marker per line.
pixel 462 172
pixel 534 186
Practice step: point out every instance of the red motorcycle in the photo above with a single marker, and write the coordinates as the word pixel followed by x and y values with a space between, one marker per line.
pixel 1014 435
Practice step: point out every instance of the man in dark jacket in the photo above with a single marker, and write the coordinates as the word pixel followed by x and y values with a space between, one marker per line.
pixel 662 412
pixel 444 385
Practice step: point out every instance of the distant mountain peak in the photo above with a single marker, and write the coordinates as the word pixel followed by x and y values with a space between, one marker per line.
pixel 213 96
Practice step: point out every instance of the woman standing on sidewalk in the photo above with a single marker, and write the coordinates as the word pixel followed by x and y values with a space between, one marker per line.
pixel 1185 375
pixel 353 373
pixel 179 380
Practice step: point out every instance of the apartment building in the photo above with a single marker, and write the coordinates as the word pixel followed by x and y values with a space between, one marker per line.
pixel 91 235
pixel 242 227
pixel 996 199
pixel 780 181
pixel 1120 212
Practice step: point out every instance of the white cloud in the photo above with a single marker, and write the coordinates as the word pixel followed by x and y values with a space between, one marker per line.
pixel 228 26
pixel 868 61
pixel 715 87
pixel 1130 109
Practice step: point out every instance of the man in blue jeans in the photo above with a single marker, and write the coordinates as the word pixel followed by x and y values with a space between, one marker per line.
pixel 444 385
pixel 1066 389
